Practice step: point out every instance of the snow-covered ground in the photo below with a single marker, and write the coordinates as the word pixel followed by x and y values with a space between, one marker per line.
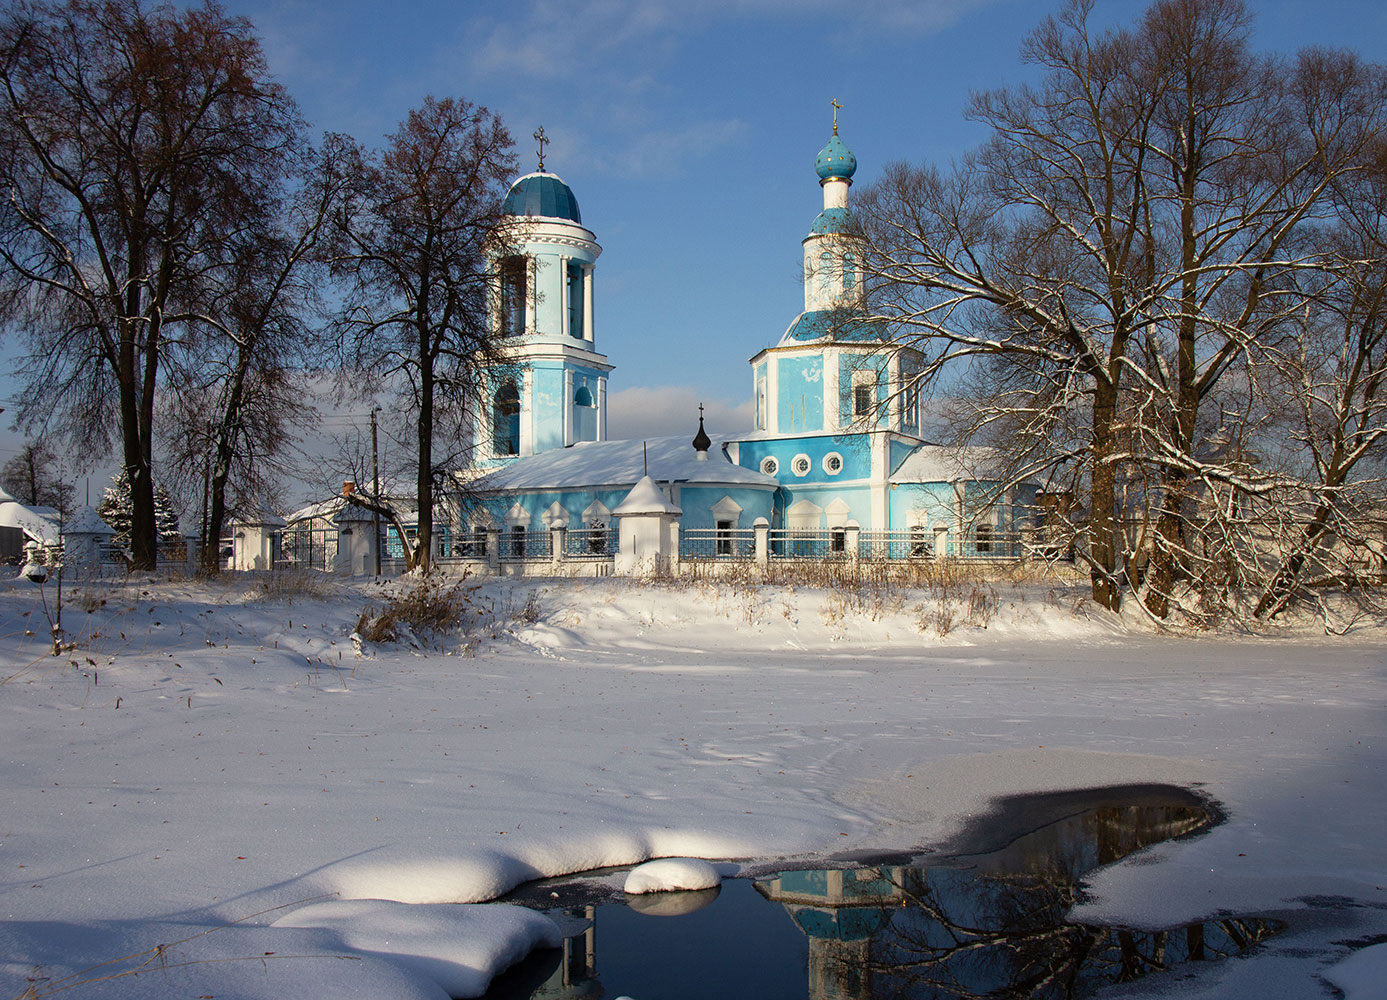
pixel 235 775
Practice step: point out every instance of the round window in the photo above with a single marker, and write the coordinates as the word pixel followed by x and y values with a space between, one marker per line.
pixel 833 463
pixel 801 465
pixel 769 465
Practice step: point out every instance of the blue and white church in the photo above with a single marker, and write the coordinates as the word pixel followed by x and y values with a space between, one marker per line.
pixel 838 439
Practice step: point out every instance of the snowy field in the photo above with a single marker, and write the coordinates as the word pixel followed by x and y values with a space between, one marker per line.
pixel 208 756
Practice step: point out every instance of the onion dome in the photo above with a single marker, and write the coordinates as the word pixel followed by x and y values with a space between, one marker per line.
pixel 702 442
pixel 835 161
pixel 542 195
pixel 833 220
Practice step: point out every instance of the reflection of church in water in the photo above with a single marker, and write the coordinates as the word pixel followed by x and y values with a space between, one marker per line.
pixel 995 926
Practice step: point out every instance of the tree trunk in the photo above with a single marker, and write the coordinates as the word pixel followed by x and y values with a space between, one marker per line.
pixel 1102 518
pixel 423 539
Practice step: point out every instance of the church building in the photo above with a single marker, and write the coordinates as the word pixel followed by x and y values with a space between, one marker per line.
pixel 837 441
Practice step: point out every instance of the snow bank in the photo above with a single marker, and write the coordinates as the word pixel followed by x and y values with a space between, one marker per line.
pixel 670 875
pixel 1363 975
pixel 458 947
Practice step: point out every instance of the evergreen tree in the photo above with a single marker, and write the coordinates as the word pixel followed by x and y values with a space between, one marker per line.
pixel 116 509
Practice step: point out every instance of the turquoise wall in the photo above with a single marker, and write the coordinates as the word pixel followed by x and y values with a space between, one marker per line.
pixel 800 392
pixel 855 450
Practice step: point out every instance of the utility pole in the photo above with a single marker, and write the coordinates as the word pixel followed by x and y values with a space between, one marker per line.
pixel 375 476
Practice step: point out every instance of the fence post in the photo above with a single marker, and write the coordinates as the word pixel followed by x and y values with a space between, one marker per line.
pixel 558 543
pixel 493 548
pixel 763 541
pixel 852 530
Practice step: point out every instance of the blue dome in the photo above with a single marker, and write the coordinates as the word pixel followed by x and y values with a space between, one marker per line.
pixel 824 324
pixel 544 196
pixel 835 160
pixel 833 220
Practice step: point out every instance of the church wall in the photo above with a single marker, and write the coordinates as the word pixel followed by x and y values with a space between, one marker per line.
pixel 899 451
pixel 858 499
pixel 853 449
pixel 850 363
pixel 800 391
pixel 547 402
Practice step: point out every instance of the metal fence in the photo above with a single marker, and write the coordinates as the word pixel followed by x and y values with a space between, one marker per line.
pixel 590 543
pixel 309 548
pixel 717 543
pixel 517 543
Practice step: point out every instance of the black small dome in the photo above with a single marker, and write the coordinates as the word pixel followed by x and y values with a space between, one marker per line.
pixel 701 441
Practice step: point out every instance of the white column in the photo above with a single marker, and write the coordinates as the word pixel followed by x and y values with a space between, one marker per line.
pixel 563 295
pixel 567 401
pixel 893 392
pixel 531 294
pixel 602 408
pixel 527 413
pixel 588 310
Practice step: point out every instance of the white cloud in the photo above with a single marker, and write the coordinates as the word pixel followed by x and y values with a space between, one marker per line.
pixel 656 411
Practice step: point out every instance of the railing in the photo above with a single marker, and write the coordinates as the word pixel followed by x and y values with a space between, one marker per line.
pixel 796 543
pixel 590 543
pixel 717 543
pixel 516 545
pixel 894 545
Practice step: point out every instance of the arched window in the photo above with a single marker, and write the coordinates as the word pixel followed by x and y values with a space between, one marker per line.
pixel 505 420
pixel 825 273
pixel 849 272
pixel 583 397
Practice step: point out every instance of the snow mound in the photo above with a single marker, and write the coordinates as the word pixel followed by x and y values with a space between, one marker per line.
pixel 1362 974
pixel 459 946
pixel 671 874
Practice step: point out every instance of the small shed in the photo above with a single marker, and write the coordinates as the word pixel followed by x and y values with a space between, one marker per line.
pixel 257 540
pixel 86 538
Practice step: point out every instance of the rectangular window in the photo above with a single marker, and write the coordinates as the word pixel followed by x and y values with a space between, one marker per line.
pixel 920 544
pixel 478 543
pixel 983 539
pixel 724 538
pixel 837 540
pixel 862 400
pixel 517 541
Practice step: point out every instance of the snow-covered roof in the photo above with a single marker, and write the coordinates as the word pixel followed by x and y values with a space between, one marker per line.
pixel 937 463
pixel 621 463
pixel 14 514
pixel 87 521
pixel 646 498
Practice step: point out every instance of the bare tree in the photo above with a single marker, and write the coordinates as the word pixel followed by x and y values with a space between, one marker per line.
pixel 35 477
pixel 1107 259
pixel 415 244
pixel 1330 373
pixel 250 381
pixel 134 143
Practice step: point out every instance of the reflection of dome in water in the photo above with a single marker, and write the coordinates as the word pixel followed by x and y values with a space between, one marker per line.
pixel 673 904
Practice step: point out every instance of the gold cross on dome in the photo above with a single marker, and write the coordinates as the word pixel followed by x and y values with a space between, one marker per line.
pixel 836 108
pixel 542 139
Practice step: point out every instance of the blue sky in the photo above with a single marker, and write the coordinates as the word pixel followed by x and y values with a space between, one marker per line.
pixel 688 132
